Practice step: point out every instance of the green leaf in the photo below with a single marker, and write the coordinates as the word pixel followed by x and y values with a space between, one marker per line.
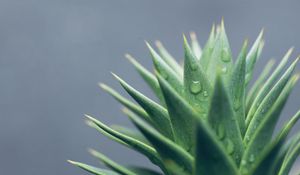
pixel 183 118
pixel 221 58
pixel 208 49
pixel 267 87
pixel 223 121
pixel 263 133
pixel 288 126
pixel 196 84
pixel 291 156
pixel 165 71
pixel 277 92
pixel 168 58
pixel 130 132
pixel 176 159
pixel 143 171
pixel 196 48
pixel 92 169
pixel 111 164
pixel 267 161
pixel 130 105
pixel 252 57
pixel 258 84
pixel 211 158
pixel 131 142
pixel 148 77
pixel 158 114
pixel 238 88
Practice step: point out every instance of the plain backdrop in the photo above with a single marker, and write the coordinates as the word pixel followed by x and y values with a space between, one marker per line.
pixel 54 52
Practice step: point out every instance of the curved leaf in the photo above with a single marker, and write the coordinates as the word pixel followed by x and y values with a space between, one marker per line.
pixel 176 159
pixel 267 87
pixel 168 58
pixel 258 84
pixel 111 164
pixel 158 114
pixel 148 77
pixel 92 169
pixel 130 105
pixel 165 71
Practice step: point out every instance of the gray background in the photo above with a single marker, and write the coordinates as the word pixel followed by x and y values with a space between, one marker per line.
pixel 53 53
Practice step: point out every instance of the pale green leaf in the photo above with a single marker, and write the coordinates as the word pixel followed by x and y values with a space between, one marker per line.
pixel 166 71
pixel 168 58
pixel 148 77
pixel 238 88
pixel 158 114
pixel 208 49
pixel 196 48
pixel 258 84
pixel 92 169
pixel 111 164
pixel 196 84
pixel 265 89
pixel 277 93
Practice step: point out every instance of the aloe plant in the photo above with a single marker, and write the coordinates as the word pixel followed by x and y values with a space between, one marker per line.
pixel 209 120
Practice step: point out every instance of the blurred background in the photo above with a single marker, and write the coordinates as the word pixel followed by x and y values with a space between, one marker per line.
pixel 54 52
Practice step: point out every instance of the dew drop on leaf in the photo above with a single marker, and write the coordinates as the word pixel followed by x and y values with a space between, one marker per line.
pixel 205 94
pixel 229 146
pixel 251 158
pixel 195 87
pixel 224 69
pixel 220 131
pixel 225 56
pixel 194 66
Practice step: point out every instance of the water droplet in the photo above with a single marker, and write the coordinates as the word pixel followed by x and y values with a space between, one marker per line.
pixel 195 87
pixel 229 146
pixel 247 139
pixel 236 104
pixel 225 55
pixel 220 131
pixel 194 66
pixel 252 158
pixel 224 69
pixel 243 162
pixel 205 94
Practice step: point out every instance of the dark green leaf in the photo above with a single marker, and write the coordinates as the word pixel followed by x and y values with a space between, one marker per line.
pixel 176 159
pixel 223 121
pixel 211 157
pixel 182 118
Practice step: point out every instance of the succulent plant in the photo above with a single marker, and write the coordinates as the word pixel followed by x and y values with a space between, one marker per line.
pixel 210 120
